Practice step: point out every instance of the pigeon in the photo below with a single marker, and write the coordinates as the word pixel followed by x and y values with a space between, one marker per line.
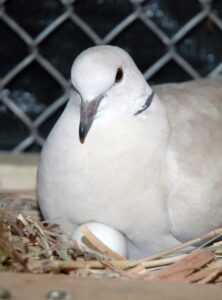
pixel 145 161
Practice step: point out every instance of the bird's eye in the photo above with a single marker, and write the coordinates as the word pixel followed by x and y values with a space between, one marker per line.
pixel 119 75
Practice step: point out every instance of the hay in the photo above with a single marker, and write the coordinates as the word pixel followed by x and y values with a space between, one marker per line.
pixel 36 247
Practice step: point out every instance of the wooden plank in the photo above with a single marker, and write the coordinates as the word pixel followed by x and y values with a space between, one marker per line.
pixel 18 184
pixel 37 287
pixel 18 172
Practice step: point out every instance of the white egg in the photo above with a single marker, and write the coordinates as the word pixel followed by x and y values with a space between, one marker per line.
pixel 110 237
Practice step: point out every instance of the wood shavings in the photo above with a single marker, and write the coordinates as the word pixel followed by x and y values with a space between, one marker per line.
pixel 36 247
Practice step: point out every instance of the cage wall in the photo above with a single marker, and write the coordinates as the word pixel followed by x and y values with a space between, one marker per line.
pixel 170 41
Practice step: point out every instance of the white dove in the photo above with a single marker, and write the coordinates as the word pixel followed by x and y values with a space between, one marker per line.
pixel 144 161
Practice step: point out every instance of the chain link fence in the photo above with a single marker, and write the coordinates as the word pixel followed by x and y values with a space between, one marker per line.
pixel 19 111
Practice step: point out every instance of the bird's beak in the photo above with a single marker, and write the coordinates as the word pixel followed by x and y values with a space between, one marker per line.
pixel 87 115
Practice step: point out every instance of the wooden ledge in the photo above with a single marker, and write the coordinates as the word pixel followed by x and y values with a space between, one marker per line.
pixel 37 287
pixel 17 172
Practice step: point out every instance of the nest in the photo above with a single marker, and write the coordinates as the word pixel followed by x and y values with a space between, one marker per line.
pixel 35 247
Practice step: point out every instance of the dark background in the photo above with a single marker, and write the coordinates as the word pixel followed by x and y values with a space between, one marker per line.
pixel 33 88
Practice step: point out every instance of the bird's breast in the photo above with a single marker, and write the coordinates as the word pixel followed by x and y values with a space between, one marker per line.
pixel 116 172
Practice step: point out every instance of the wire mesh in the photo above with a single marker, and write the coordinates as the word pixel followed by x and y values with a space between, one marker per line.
pixel 140 12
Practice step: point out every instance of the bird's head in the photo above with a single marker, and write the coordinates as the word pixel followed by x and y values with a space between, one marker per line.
pixel 107 81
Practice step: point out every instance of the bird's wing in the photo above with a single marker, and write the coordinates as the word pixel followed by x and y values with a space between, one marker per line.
pixel 195 155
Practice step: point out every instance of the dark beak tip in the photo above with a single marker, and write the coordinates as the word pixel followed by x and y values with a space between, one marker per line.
pixel 82 133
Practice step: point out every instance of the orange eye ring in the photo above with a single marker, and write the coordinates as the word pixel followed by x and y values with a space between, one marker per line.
pixel 119 75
